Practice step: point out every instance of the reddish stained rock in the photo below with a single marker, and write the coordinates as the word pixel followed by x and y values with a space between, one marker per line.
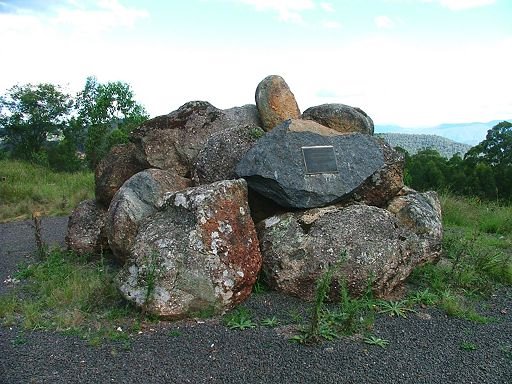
pixel 276 102
pixel 200 250
pixel 86 229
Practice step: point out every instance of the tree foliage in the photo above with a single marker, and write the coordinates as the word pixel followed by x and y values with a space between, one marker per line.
pixel 107 113
pixel 30 115
pixel 40 123
pixel 485 171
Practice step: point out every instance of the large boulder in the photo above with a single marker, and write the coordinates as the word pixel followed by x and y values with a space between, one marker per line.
pixel 198 254
pixel 275 166
pixel 421 213
pixel 386 183
pixel 223 151
pixel 173 141
pixel 139 197
pixel 121 163
pixel 341 118
pixel 275 101
pixel 86 229
pixel 367 247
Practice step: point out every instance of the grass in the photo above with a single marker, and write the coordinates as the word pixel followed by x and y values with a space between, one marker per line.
pixel 26 188
pixel 69 294
pixel 477 258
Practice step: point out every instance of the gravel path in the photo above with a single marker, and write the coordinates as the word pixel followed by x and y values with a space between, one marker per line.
pixel 425 348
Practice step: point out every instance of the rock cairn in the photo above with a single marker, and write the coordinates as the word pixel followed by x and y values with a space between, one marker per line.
pixel 203 201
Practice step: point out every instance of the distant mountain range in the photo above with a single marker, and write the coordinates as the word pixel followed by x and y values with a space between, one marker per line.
pixel 414 143
pixel 468 133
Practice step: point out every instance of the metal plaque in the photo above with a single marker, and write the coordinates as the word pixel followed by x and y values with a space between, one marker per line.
pixel 320 159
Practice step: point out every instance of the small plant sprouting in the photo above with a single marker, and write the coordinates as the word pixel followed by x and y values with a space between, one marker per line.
pixel 239 319
pixel 468 346
pixel 174 333
pixel 151 277
pixel 270 322
pixel 374 340
pixel 395 308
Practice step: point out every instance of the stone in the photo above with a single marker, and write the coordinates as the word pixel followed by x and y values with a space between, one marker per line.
pixel 341 118
pixel 223 151
pixel 197 255
pixel 274 166
pixel 366 246
pixel 139 197
pixel 275 101
pixel 173 141
pixel 421 213
pixel 386 183
pixel 121 163
pixel 86 229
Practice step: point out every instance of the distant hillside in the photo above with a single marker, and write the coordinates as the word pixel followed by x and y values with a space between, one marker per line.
pixel 414 143
pixel 468 133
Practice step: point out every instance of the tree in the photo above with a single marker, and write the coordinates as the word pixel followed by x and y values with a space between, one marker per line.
pixel 496 149
pixel 107 113
pixel 493 156
pixel 30 115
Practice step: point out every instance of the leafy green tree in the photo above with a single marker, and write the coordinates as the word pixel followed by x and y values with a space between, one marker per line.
pixel 426 170
pixel 30 115
pixel 496 149
pixel 106 114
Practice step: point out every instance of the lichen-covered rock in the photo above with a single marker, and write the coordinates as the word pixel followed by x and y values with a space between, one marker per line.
pixel 386 183
pixel 173 141
pixel 86 229
pixel 275 101
pixel 140 196
pixel 341 118
pixel 421 213
pixel 198 254
pixel 223 151
pixel 369 245
pixel 121 163
pixel 275 167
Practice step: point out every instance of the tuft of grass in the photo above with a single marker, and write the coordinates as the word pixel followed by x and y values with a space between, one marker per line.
pixel 270 322
pixel 468 346
pixel 374 340
pixel 395 308
pixel 64 292
pixel 26 188
pixel 239 318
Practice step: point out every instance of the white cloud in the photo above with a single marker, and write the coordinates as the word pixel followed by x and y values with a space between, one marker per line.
pixel 331 24
pixel 458 5
pixel 288 10
pixel 106 15
pixel 384 22
pixel 327 7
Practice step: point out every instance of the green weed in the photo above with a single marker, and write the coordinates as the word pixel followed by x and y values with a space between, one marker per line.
pixel 374 340
pixel 270 322
pixel 239 318
pixel 395 308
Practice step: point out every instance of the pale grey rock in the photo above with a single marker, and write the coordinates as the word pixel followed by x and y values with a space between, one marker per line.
pixel 139 197
pixel 340 117
pixel 367 246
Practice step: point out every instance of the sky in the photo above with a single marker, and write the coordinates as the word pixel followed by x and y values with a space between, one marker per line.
pixel 414 63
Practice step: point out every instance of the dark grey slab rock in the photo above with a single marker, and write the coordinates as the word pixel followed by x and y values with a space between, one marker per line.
pixel 275 167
